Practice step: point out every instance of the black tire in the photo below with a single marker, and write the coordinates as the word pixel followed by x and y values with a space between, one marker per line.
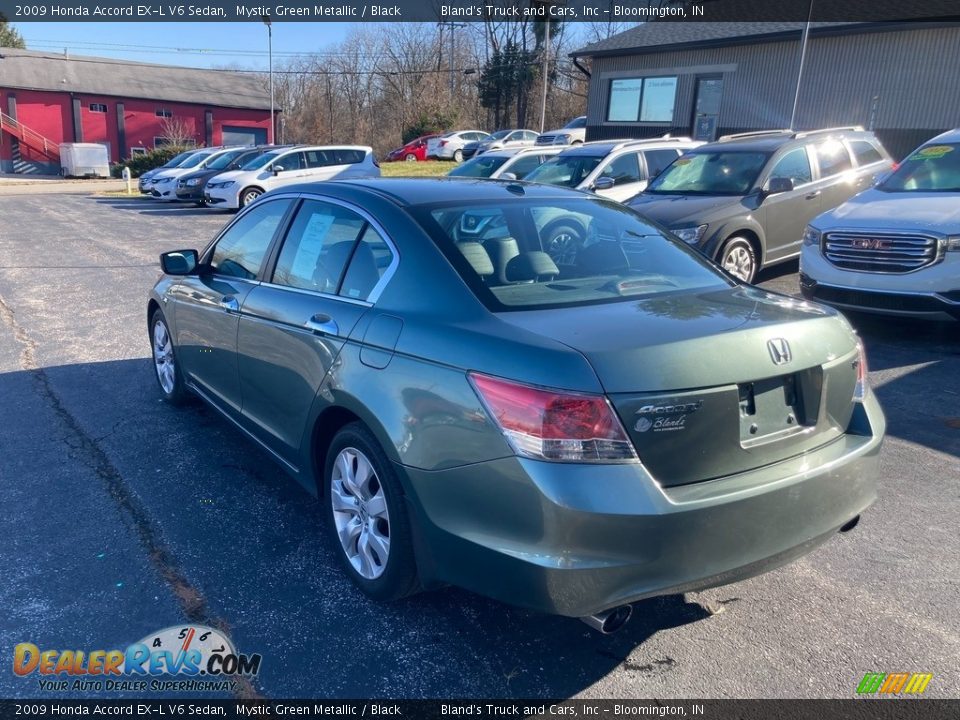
pixel 174 393
pixel 398 577
pixel 562 241
pixel 249 195
pixel 739 258
pixel 458 155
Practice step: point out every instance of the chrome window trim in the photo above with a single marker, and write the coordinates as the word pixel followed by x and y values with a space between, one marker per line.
pixel 378 289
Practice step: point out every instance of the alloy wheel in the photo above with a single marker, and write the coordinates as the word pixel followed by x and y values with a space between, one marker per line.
pixel 360 513
pixel 739 262
pixel 163 359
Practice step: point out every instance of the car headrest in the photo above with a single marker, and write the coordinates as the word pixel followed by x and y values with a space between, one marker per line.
pixel 478 258
pixel 531 266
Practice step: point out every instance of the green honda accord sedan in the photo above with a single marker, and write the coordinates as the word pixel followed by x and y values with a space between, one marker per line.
pixel 570 440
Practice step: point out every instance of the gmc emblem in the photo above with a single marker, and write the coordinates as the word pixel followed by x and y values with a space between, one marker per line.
pixel 871 244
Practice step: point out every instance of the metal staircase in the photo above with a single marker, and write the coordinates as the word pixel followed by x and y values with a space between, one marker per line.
pixel 30 138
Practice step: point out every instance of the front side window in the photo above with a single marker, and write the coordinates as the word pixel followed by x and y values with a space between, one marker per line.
pixel 934 168
pixel 569 170
pixel 479 167
pixel 795 166
pixel 620 257
pixel 833 158
pixel 523 165
pixel 292 161
pixel 642 99
pixel 710 173
pixel 315 159
pixel 333 250
pixel 240 250
pixel 223 160
pixel 658 160
pixel 624 169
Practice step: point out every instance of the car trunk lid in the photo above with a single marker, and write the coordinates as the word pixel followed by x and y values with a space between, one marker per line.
pixel 712 384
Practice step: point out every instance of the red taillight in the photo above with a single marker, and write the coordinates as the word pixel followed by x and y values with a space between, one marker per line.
pixel 893 168
pixel 553 424
pixel 442 143
pixel 863 381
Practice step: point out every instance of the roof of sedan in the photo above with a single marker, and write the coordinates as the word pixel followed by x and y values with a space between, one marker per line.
pixel 416 191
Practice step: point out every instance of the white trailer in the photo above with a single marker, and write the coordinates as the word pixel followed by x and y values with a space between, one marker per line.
pixel 84 160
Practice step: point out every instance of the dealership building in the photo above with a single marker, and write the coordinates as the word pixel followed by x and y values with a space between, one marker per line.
pixel 47 99
pixel 711 79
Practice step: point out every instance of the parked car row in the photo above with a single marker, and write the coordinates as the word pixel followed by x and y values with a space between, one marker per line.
pixel 233 177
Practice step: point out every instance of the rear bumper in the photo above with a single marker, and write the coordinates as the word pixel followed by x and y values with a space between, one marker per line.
pixel 576 539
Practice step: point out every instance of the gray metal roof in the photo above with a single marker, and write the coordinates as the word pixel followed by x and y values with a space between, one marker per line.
pixel 33 70
pixel 660 35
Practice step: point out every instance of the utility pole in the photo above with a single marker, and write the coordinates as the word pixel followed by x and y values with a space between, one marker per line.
pixel 453 26
pixel 803 56
pixel 273 127
pixel 546 65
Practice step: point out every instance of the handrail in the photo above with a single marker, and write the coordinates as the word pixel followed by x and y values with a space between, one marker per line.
pixel 30 137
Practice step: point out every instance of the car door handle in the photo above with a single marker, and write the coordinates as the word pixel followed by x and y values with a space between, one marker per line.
pixel 323 324
pixel 230 304
pixel 813 195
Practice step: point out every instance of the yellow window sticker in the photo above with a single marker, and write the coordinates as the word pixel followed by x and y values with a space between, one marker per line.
pixel 931 152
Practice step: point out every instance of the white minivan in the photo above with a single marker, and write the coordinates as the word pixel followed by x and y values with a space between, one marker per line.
pixel 287 165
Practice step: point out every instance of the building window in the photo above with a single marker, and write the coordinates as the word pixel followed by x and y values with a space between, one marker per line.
pixel 98 107
pixel 134 151
pixel 164 113
pixel 642 99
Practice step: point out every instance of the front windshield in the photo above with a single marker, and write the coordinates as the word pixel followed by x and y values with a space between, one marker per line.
pixel 177 159
pixel 576 123
pixel 222 161
pixel 934 168
pixel 480 167
pixel 720 172
pixel 194 160
pixel 259 161
pixel 498 135
pixel 566 170
pixel 561 252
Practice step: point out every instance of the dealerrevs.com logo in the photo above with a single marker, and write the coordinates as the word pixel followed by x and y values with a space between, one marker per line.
pixel 187 657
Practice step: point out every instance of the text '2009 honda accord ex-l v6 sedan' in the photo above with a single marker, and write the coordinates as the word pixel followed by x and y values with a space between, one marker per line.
pixel 635 425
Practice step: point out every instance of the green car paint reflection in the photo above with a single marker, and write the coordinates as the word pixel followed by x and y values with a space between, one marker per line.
pixel 567 436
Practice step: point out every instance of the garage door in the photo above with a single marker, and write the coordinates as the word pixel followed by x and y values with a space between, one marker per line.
pixel 244 135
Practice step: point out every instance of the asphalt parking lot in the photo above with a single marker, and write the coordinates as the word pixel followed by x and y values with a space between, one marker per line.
pixel 123 515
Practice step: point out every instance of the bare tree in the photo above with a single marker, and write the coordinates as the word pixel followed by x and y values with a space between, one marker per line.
pixel 178 131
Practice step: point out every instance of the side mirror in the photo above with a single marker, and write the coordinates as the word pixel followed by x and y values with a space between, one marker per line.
pixel 779 185
pixel 179 262
pixel 603 183
pixel 508 176
pixel 277 169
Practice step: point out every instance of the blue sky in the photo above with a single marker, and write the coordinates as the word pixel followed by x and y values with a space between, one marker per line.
pixel 243 44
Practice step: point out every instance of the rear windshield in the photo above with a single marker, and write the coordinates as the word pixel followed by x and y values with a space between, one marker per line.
pixel 533 253
pixel 710 173
pixel 566 170
pixel 933 168
pixel 480 167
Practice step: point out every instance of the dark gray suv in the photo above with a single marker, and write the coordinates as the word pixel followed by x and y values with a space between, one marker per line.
pixel 745 200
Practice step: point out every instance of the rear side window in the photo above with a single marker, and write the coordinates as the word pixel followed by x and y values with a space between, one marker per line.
pixel 346 156
pixel 624 169
pixel 240 251
pixel 658 160
pixel 795 166
pixel 316 158
pixel 333 250
pixel 833 158
pixel 865 152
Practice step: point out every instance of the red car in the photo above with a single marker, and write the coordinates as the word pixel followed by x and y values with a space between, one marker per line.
pixel 415 150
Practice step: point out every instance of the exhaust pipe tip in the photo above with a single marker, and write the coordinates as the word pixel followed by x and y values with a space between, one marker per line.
pixel 850 525
pixel 609 621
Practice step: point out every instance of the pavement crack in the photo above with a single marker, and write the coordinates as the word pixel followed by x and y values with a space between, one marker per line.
pixel 86 450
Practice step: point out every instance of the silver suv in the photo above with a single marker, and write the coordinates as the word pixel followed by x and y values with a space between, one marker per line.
pixel 745 200
pixel 896 247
